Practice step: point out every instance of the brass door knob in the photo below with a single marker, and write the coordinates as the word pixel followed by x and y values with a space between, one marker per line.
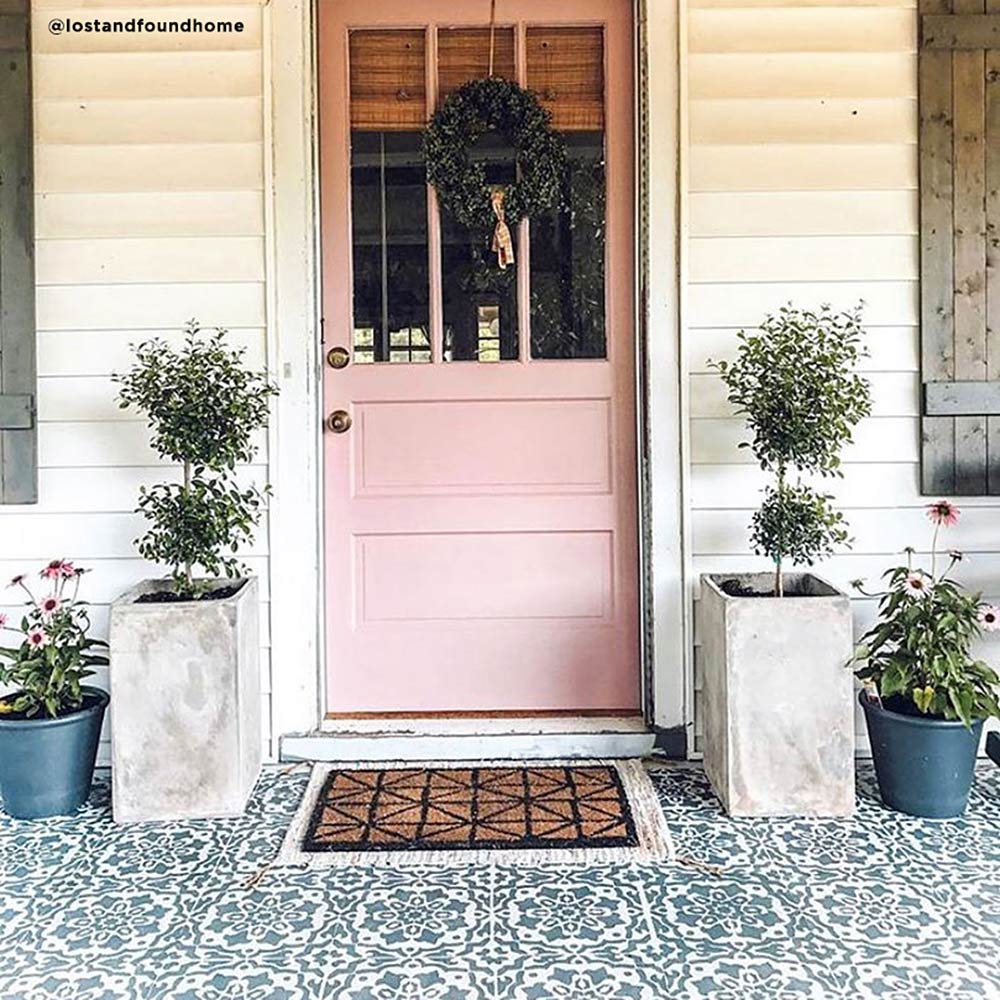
pixel 339 421
pixel 338 357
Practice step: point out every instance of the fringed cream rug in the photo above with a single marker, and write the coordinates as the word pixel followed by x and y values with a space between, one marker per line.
pixel 596 811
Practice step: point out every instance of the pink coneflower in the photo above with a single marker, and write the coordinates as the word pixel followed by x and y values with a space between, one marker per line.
pixel 38 638
pixel 3 620
pixel 943 512
pixel 54 570
pixel 49 605
pixel 68 569
pixel 916 584
pixel 989 618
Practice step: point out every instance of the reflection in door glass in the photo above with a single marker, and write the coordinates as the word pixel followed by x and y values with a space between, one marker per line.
pixel 567 259
pixel 389 235
pixel 479 299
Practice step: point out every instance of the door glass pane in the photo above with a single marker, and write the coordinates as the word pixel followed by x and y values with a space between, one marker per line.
pixel 566 68
pixel 479 299
pixel 389 230
pixel 567 259
pixel 389 197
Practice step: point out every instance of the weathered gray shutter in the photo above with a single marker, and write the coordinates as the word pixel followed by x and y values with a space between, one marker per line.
pixel 960 245
pixel 18 426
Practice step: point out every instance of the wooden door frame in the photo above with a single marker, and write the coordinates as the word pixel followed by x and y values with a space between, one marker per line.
pixel 293 319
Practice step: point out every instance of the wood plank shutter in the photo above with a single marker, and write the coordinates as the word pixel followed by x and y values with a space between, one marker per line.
pixel 18 425
pixel 960 245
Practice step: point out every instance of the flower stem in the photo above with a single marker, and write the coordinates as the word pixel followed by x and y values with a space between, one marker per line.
pixel 937 528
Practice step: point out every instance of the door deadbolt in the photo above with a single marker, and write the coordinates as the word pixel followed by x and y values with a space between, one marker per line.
pixel 339 421
pixel 338 357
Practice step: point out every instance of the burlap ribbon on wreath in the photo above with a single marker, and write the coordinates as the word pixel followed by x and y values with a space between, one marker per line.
pixel 503 245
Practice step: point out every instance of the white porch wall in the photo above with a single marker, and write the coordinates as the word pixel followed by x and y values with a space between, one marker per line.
pixel 802 161
pixel 149 211
pixel 801 185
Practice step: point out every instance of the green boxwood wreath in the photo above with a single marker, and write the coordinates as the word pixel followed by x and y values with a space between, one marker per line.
pixel 476 108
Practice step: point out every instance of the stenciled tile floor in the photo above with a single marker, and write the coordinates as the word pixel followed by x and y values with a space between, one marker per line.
pixel 880 906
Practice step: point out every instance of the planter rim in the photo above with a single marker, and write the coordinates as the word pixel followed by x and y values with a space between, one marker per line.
pixel 915 720
pixel 63 720
pixel 715 579
pixel 129 597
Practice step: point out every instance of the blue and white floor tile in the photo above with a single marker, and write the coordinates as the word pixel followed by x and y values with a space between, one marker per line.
pixel 881 906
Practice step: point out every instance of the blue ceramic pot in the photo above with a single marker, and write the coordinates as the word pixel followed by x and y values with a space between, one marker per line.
pixel 924 766
pixel 47 765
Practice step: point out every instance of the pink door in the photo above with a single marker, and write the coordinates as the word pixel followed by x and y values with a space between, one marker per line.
pixel 481 526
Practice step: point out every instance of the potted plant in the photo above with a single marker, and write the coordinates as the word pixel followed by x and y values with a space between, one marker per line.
pixel 925 695
pixel 185 670
pixel 50 722
pixel 778 722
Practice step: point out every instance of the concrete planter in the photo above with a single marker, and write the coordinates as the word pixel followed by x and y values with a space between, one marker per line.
pixel 778 696
pixel 185 705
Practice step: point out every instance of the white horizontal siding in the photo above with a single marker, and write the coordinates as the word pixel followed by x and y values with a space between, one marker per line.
pixel 149 211
pixel 76 215
pixel 804 213
pixel 174 259
pixel 802 169
pixel 799 167
pixel 894 394
pixel 890 348
pixel 794 27
pixel 101 352
pixel 79 76
pixel 823 75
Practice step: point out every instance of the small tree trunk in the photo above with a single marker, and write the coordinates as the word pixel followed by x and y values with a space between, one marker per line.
pixel 779 585
pixel 188 568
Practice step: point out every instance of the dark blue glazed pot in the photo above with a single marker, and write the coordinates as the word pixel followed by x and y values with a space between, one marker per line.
pixel 924 766
pixel 47 765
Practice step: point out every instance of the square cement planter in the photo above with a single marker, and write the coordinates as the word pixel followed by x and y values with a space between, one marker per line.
pixel 778 696
pixel 185 705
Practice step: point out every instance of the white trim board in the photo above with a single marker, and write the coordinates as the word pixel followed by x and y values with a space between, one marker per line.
pixel 665 389
pixel 293 320
pixel 431 738
pixel 487 726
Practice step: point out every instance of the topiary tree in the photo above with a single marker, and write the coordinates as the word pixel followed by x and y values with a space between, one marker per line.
pixel 795 383
pixel 203 407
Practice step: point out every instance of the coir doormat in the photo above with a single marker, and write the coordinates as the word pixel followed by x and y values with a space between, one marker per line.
pixel 452 813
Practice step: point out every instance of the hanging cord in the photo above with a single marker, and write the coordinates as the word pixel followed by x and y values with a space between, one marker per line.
pixel 493 30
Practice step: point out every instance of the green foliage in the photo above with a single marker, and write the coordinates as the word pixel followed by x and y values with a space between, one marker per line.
pixel 55 654
pixel 202 404
pixel 917 654
pixel 202 523
pixel 203 407
pixel 493 105
pixel 797 523
pixel 795 382
pixel 796 385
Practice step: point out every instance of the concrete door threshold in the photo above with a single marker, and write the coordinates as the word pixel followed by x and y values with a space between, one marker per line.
pixel 471 739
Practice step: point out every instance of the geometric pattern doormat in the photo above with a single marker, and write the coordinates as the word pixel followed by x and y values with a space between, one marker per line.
pixel 452 813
